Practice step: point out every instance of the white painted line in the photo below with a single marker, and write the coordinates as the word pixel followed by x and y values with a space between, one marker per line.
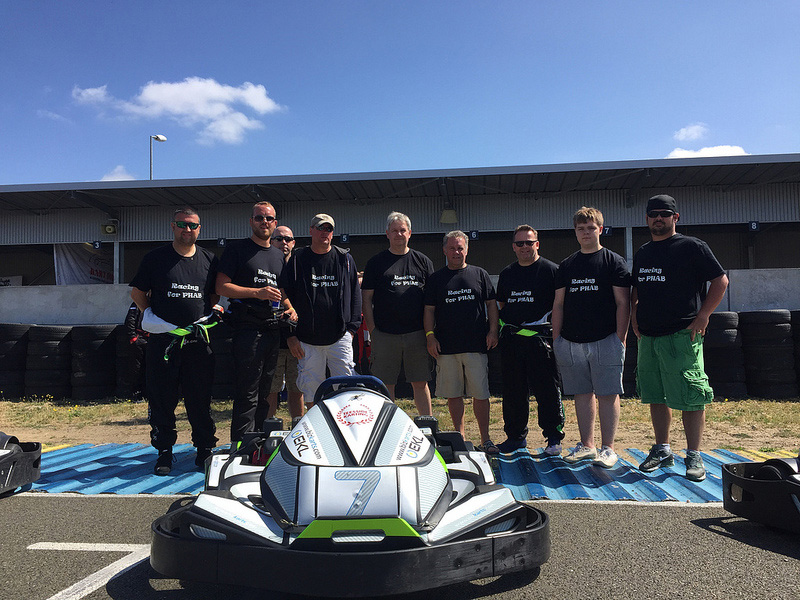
pixel 137 553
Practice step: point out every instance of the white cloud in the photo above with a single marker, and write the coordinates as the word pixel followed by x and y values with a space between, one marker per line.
pixel 215 110
pixel 119 173
pixel 46 114
pixel 710 151
pixel 692 132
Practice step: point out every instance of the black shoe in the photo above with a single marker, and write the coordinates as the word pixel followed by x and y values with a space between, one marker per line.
pixel 202 455
pixel 509 446
pixel 164 462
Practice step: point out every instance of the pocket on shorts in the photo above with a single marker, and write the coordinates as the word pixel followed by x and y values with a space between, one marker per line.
pixel 612 351
pixel 697 391
pixel 563 352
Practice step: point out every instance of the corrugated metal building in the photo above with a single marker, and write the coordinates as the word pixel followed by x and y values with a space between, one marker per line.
pixel 717 197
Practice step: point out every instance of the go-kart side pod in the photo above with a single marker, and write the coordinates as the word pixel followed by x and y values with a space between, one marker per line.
pixel 20 462
pixel 766 492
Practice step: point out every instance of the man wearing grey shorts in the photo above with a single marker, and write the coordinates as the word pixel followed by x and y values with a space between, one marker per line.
pixel 393 302
pixel 590 319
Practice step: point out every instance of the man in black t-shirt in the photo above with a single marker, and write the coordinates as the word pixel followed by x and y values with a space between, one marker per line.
pixel 248 275
pixel 321 281
pixel 525 292
pixel 461 326
pixel 175 283
pixel 670 311
pixel 393 303
pixel 286 368
pixel 590 322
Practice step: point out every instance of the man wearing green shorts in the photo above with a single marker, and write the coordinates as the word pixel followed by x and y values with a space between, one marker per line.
pixel 670 308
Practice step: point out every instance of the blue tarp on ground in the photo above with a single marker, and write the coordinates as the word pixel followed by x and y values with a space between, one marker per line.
pixel 128 469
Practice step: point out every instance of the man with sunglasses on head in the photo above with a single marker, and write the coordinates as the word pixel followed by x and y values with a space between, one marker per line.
pixel 286 369
pixel 321 281
pixel 525 293
pixel 393 303
pixel 175 285
pixel 248 276
pixel 670 311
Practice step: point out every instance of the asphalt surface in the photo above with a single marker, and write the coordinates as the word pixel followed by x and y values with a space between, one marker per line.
pixel 599 550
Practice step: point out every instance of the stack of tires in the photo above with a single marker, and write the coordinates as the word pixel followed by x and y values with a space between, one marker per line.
pixel 129 364
pixel 48 362
pixel 221 344
pixel 629 369
pixel 13 355
pixel 769 353
pixel 795 316
pixel 723 356
pixel 93 362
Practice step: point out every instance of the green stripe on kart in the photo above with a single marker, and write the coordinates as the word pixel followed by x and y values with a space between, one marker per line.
pixel 325 528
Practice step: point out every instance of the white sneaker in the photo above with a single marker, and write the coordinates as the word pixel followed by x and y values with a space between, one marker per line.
pixel 607 458
pixel 553 450
pixel 580 452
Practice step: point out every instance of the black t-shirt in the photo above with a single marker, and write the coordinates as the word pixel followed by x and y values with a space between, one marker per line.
pixel 460 299
pixel 398 281
pixel 253 266
pixel 324 326
pixel 590 311
pixel 670 279
pixel 528 292
pixel 180 287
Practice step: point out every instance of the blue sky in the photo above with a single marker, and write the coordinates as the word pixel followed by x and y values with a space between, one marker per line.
pixel 271 88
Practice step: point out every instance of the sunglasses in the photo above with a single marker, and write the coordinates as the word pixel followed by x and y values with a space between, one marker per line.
pixel 186 225
pixel 325 228
pixel 522 243
pixel 260 218
pixel 283 238
pixel 664 214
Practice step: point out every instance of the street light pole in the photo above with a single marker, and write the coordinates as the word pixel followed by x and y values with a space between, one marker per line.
pixel 158 138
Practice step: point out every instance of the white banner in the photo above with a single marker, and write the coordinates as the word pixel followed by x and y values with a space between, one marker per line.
pixel 81 263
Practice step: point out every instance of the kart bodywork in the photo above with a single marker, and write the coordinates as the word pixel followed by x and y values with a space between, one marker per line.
pixel 20 463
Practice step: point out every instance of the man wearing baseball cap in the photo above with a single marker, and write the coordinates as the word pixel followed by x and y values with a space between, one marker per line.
pixel 322 284
pixel 670 307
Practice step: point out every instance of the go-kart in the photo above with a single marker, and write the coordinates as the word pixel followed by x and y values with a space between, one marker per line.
pixel 355 500
pixel 20 463
pixel 766 492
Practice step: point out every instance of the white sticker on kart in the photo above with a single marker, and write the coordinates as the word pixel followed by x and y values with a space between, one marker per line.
pixel 411 447
pixel 303 444
pixel 355 415
pixel 357 492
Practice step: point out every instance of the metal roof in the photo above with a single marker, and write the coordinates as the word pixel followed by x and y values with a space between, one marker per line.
pixel 538 181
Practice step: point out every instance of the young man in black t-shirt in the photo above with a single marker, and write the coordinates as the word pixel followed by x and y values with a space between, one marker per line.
pixel 248 275
pixel 525 292
pixel 176 283
pixel 591 312
pixel 393 304
pixel 670 312
pixel 461 326
pixel 321 281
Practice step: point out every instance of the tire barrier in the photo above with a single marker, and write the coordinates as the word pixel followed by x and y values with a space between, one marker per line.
pixel 768 347
pixel 221 337
pixel 724 357
pixel 629 368
pixel 47 366
pixel 94 362
pixel 13 355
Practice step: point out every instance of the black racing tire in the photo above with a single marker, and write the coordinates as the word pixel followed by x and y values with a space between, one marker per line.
pixel 48 347
pixel 773 391
pixel 14 362
pixel 772 332
pixel 45 392
pixel 12 347
pixel 45 362
pixel 722 338
pixel 96 364
pixel 769 358
pixel 727 373
pixel 11 378
pixel 42 333
pixel 13 331
pixel 761 317
pixel 721 357
pixel 92 332
pixel 12 391
pixel 736 390
pixel 723 320
pixel 93 378
pixel 92 392
pixel 777 376
pixel 43 378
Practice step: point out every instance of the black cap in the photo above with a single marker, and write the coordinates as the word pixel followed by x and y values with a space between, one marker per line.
pixel 661 202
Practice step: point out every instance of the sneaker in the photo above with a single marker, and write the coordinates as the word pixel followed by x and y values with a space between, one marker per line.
pixel 607 458
pixel 510 445
pixel 489 447
pixel 658 457
pixel 695 470
pixel 164 462
pixel 202 455
pixel 579 453
pixel 553 448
